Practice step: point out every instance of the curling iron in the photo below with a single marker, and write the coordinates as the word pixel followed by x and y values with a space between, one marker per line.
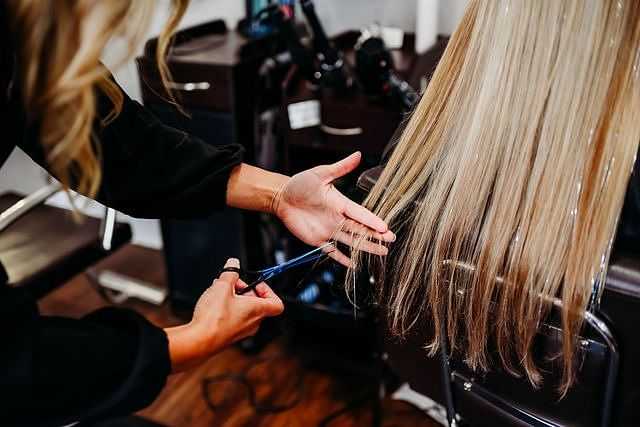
pixel 332 70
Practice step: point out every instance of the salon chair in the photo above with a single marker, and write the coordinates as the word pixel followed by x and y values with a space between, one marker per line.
pixel 42 247
pixel 607 392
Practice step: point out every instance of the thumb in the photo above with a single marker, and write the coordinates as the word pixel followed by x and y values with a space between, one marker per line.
pixel 344 166
pixel 227 280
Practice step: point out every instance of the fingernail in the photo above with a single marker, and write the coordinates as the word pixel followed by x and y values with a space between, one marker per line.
pixel 232 262
pixel 261 289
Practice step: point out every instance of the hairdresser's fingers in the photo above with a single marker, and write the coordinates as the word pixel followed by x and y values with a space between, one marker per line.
pixel 361 243
pixel 231 276
pixel 264 291
pixel 271 303
pixel 240 285
pixel 367 218
pixel 341 167
pixel 352 227
pixel 251 332
pixel 327 249
pixel 341 258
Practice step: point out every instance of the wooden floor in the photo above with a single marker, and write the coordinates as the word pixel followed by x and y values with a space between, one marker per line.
pixel 181 403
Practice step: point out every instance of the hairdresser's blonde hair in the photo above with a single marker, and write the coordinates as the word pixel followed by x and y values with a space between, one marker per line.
pixel 58 47
pixel 515 162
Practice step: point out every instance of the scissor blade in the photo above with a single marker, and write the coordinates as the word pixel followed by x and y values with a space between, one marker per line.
pixel 308 254
pixel 270 273
pixel 299 260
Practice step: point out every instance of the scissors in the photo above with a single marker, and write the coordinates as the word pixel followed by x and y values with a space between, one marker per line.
pixel 254 278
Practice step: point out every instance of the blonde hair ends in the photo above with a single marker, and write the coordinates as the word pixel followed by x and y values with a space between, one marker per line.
pixel 516 162
pixel 58 49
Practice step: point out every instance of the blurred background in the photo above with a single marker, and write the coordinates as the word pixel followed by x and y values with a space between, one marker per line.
pixel 22 175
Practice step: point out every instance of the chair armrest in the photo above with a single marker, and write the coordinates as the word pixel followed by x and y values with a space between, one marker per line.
pixel 624 275
pixel 28 203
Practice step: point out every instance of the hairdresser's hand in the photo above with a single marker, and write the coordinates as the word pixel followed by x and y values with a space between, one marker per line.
pixel 221 318
pixel 315 212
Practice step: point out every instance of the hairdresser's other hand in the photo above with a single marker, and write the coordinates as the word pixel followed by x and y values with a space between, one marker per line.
pixel 314 211
pixel 220 318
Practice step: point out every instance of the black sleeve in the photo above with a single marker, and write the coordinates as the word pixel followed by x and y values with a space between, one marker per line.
pixel 56 371
pixel 151 170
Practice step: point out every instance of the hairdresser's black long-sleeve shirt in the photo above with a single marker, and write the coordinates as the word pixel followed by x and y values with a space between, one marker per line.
pixel 113 361
pixel 53 370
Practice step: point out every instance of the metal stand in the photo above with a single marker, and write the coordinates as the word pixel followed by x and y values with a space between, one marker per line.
pixel 592 319
pixel 117 287
pixel 447 376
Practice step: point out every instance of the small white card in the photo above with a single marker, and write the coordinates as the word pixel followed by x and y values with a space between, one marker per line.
pixel 304 114
pixel 393 37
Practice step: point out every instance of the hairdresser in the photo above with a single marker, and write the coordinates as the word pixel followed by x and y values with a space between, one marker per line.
pixel 62 108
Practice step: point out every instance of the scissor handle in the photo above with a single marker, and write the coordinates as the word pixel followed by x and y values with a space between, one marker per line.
pixel 270 273
pixel 252 285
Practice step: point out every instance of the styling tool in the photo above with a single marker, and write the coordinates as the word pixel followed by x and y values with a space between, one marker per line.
pixel 253 278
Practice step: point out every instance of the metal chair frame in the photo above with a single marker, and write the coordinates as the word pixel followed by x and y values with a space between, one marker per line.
pixel 596 322
pixel 40 196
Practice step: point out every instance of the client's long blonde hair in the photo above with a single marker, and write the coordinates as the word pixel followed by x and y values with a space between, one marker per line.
pixel 58 44
pixel 515 162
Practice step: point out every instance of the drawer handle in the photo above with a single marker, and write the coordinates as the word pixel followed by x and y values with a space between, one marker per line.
pixel 341 132
pixel 190 86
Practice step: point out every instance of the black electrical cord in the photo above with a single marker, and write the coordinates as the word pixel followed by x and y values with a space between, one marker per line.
pixel 243 380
